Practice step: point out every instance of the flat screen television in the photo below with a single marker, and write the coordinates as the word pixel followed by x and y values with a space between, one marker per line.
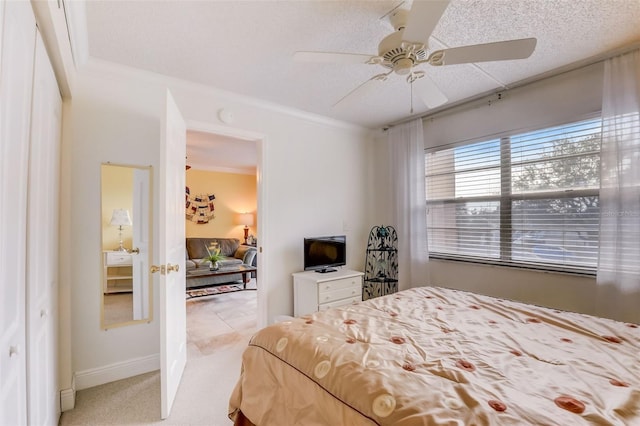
pixel 324 254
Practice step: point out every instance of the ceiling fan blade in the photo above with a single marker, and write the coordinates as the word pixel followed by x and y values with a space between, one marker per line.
pixel 498 51
pixel 332 57
pixel 429 92
pixel 423 18
pixel 362 90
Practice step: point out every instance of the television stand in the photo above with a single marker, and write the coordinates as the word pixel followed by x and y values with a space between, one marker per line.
pixel 325 270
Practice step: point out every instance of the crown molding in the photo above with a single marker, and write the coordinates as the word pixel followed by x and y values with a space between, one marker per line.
pixel 100 67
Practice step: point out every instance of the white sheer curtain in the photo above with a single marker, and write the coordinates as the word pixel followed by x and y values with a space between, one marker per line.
pixel 619 249
pixel 408 202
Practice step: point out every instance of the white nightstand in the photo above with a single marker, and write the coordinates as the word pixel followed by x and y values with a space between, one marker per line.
pixel 117 271
pixel 313 291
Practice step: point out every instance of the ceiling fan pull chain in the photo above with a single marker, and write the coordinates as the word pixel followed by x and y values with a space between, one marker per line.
pixel 415 75
pixel 411 85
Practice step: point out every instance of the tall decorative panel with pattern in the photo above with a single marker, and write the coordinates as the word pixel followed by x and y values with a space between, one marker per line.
pixel 381 263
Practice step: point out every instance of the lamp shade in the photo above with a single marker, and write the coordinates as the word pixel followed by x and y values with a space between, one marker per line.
pixel 120 217
pixel 246 219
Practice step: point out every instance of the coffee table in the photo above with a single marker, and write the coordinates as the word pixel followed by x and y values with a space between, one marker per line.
pixel 245 270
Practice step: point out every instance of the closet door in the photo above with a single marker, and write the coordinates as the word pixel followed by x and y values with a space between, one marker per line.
pixel 16 71
pixel 42 240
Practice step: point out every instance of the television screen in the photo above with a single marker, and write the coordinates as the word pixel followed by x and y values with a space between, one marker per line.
pixel 323 254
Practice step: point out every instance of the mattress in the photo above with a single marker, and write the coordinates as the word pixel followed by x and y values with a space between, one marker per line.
pixel 436 356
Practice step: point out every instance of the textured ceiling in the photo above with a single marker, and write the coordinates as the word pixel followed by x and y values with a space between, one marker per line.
pixel 206 151
pixel 246 47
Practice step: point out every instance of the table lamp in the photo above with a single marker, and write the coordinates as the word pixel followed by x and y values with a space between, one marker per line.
pixel 246 219
pixel 120 218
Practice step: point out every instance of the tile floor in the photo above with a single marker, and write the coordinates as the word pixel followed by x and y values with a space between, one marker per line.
pixel 215 322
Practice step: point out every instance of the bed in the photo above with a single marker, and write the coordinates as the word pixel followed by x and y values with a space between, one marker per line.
pixel 436 356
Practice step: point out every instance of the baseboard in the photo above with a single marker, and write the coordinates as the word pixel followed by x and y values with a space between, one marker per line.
pixel 118 371
pixel 68 397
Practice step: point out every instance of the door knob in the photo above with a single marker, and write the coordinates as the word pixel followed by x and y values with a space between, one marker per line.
pixel 155 268
pixel 135 250
pixel 171 267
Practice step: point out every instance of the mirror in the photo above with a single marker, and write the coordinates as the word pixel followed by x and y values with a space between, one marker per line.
pixel 126 245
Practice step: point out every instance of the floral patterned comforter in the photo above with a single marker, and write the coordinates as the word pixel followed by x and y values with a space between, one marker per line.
pixel 435 356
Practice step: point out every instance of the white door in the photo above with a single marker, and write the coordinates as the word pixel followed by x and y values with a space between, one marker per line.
pixel 171 247
pixel 18 32
pixel 140 240
pixel 43 400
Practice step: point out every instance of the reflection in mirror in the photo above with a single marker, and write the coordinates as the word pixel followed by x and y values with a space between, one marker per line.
pixel 126 245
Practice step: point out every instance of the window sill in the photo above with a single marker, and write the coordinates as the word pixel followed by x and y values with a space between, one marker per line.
pixel 517 265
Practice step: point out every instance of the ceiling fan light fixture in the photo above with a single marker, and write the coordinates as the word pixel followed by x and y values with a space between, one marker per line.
pixel 393 46
pixel 403 66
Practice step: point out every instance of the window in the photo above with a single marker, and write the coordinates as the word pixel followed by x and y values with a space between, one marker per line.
pixel 526 199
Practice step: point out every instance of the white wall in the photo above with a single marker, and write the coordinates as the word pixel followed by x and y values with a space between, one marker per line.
pixel 556 100
pixel 314 179
pixel 108 122
pixel 379 176
pixel 561 291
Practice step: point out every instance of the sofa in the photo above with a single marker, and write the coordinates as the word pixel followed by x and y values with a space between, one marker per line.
pixel 234 254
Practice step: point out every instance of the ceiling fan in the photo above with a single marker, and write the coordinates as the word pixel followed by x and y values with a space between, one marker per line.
pixel 403 51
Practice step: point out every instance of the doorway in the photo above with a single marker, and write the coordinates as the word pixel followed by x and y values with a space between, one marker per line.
pixel 223 167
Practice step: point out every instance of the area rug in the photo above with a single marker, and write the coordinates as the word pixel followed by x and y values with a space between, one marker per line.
pixel 210 291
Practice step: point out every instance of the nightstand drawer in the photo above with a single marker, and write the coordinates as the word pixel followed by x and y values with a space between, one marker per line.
pixel 329 286
pixel 349 301
pixel 342 293
pixel 114 259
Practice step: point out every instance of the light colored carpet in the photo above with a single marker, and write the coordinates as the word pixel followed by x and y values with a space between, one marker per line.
pixel 118 307
pixel 218 330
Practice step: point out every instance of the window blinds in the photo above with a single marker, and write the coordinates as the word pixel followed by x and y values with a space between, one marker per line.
pixel 528 198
